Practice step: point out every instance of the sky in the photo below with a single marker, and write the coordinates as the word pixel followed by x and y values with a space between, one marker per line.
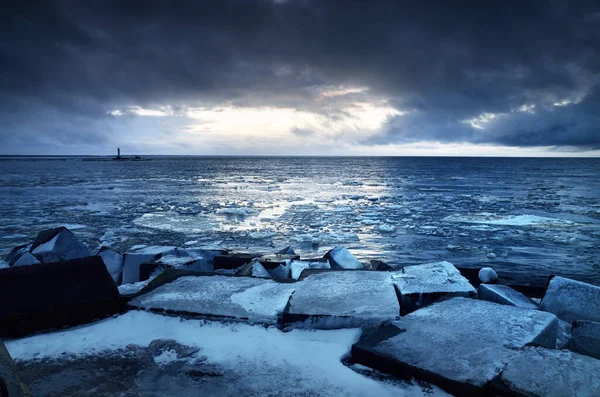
pixel 300 77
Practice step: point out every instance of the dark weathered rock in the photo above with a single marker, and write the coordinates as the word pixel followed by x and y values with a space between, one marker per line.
pixel 58 244
pixel 233 261
pixel 585 338
pixel 459 344
pixel 380 266
pixel 487 275
pixel 505 295
pixel 54 295
pixel 273 261
pixel 253 269
pixel 572 300
pixel 16 253
pixel 11 384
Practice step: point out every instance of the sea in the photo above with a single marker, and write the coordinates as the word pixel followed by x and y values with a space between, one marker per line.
pixel 525 217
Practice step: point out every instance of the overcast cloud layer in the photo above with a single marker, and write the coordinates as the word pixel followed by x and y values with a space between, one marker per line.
pixel 307 77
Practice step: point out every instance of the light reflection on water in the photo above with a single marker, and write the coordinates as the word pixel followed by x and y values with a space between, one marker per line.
pixel 526 217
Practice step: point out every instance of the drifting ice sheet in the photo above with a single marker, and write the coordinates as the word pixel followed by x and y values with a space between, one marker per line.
pixel 243 298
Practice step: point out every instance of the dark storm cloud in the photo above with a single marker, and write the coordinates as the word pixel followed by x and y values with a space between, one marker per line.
pixel 66 64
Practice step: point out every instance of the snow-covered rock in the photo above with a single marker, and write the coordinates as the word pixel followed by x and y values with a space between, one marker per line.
pixel 26 260
pixel 505 295
pixel 133 288
pixel 242 298
pixel 113 261
pixel 58 244
pixel 253 269
pixel 460 344
pixel 487 275
pixel 16 253
pixel 341 258
pixel 343 299
pixel 585 338
pixel 536 371
pixel 133 260
pixel 421 285
pixel 298 266
pixel 572 300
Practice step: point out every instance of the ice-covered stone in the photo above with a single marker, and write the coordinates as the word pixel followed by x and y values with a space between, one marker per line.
pixel 282 271
pixel 113 261
pixel 298 266
pixel 421 285
pixel 343 299
pixel 133 260
pixel 341 258
pixel 585 338
pixel 58 244
pixel 26 260
pixel 253 269
pixel 536 371
pixel 241 298
pixel 460 344
pixel 505 295
pixel 488 275
pixel 572 300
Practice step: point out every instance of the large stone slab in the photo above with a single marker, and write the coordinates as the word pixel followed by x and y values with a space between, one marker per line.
pixel 54 295
pixel 572 300
pixel 248 299
pixel 460 344
pixel 505 295
pixel 58 244
pixel 343 299
pixel 540 372
pixel 585 338
pixel 421 285
pixel 11 384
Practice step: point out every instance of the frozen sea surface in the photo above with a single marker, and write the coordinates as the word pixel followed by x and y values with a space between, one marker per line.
pixel 523 217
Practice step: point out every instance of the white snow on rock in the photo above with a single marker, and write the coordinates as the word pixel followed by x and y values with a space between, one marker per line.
pixel 341 258
pixel 438 277
pixel 257 361
pixel 552 373
pixel 572 300
pixel 26 260
pixel 505 295
pixel 134 288
pixel 299 265
pixel 585 338
pixel 339 299
pixel 113 261
pixel 166 357
pixel 487 275
pixel 467 340
pixel 259 271
pixel 242 298
pixel 61 246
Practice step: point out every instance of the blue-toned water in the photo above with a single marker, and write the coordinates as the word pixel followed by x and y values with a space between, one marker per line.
pixel 527 218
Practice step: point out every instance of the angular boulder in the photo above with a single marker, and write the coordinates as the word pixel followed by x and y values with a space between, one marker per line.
pixel 133 260
pixel 298 266
pixel 505 295
pixel 585 338
pixel 459 344
pixel 113 261
pixel 248 299
pixel 233 261
pixel 380 266
pixel 26 260
pixel 536 371
pixel 253 269
pixel 341 258
pixel 572 300
pixel 58 244
pixel 343 299
pixel 420 285
pixel 16 253
pixel 11 384
pixel 54 295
